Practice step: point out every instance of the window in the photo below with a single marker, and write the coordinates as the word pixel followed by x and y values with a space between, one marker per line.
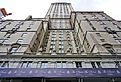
pixel 102 40
pixel 93 64
pixel 7 35
pixel 24 34
pixel 114 35
pixel 30 25
pixel 87 42
pixel 29 65
pixel 119 41
pixel 44 65
pixel 11 35
pixel 62 51
pixel 13 29
pixel 1 63
pixel 59 46
pixel 58 64
pixel 28 29
pixel 1 40
pixel 6 25
pixel 64 64
pixel 5 40
pixel 50 51
pixel 17 25
pixel 84 16
pixel 24 65
pixel 5 64
pixel 13 49
pixel 98 64
pixel 19 40
pixel 98 34
pixel 78 64
pixel 118 64
pixel 59 51
pixel 35 41
pixel 116 26
pixel 109 49
pixel 111 22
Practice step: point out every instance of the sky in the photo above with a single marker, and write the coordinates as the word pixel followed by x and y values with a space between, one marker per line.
pixel 21 9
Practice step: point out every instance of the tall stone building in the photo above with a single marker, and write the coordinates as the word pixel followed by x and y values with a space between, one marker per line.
pixel 65 46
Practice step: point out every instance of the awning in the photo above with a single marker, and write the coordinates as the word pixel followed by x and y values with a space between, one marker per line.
pixel 60 72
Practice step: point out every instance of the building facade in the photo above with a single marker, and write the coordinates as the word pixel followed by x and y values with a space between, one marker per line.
pixel 65 46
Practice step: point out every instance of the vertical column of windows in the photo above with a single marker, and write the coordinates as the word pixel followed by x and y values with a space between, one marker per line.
pixel 69 40
pixel 77 41
pixel 87 43
pixel 61 46
pixel 46 38
pixel 67 9
pixel 93 28
pixel 52 45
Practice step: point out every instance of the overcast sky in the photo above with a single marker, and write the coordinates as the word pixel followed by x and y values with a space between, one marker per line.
pixel 38 8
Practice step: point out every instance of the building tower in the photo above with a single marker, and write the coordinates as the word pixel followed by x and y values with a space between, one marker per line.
pixel 65 46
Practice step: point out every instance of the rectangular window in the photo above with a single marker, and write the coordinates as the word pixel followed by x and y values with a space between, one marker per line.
pixel 1 62
pixel 28 29
pixel 5 40
pixel 59 51
pixel 50 51
pixel 111 35
pixel 1 40
pixel 59 46
pixel 87 42
pixel 7 35
pixel 24 34
pixel 78 64
pixel 59 42
pixel 119 41
pixel 58 64
pixel 6 26
pixel 98 34
pixel 102 40
pixel 117 26
pixel 93 64
pixel 19 41
pixel 64 65
pixel 11 35
pixel 29 64
pixel 17 25
pixel 114 35
pixel 118 64
pixel 24 65
pixel 98 64
pixel 30 25
pixel 44 65
pixel 62 51
pixel 13 29
pixel 13 49
pixel 5 64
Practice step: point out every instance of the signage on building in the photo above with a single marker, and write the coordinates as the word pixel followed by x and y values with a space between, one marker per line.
pixel 59 72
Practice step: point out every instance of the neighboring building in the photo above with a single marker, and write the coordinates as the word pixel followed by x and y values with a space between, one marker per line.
pixel 65 46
